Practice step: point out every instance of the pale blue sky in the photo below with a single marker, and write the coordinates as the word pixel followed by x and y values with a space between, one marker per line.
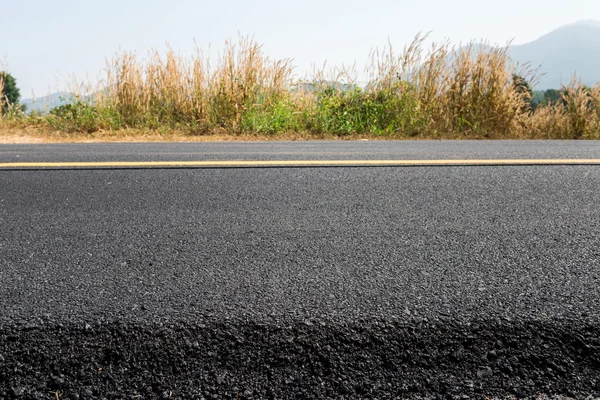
pixel 44 42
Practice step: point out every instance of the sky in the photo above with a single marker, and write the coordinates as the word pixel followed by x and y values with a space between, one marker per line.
pixel 45 44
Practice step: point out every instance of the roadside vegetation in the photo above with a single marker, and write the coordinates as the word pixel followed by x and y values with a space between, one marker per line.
pixel 439 92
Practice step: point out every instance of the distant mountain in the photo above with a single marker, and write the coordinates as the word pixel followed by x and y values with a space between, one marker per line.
pixel 562 52
pixel 316 86
pixel 47 103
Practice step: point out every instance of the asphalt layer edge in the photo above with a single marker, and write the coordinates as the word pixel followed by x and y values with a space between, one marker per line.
pixel 213 357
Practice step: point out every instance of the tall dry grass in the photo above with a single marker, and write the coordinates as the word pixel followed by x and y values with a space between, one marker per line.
pixel 439 91
pixel 179 91
pixel 575 116
pixel 2 97
pixel 467 90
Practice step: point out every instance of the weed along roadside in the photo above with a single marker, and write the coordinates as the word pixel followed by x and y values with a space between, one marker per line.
pixel 471 92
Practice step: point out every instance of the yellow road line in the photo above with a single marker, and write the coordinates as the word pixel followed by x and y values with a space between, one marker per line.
pixel 289 163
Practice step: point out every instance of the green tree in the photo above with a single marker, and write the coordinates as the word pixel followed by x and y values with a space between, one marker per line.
pixel 553 96
pixel 10 91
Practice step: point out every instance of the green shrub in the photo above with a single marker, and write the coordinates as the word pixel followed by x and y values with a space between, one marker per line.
pixel 83 117
pixel 271 119
pixel 381 112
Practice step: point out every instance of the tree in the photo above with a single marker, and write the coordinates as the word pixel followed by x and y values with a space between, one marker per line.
pixel 10 91
pixel 553 96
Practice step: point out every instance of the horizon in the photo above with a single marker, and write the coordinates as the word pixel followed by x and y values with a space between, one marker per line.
pixel 80 41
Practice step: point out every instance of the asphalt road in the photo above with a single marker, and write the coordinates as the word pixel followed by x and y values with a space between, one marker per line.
pixel 301 150
pixel 300 282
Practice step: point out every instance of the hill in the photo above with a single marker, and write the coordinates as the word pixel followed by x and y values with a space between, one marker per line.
pixel 573 48
pixel 46 103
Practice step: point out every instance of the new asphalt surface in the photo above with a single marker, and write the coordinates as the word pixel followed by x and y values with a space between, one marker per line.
pixel 370 282
pixel 301 150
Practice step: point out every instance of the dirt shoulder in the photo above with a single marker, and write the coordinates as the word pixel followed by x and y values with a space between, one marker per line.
pixel 35 135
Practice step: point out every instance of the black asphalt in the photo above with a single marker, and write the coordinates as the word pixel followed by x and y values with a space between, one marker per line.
pixel 300 282
pixel 301 150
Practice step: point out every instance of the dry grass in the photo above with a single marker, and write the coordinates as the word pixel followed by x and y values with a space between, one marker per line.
pixel 3 99
pixel 441 92
pixel 447 90
pixel 187 94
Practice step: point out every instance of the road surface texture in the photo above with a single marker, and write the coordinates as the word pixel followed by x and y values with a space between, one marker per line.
pixel 312 282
